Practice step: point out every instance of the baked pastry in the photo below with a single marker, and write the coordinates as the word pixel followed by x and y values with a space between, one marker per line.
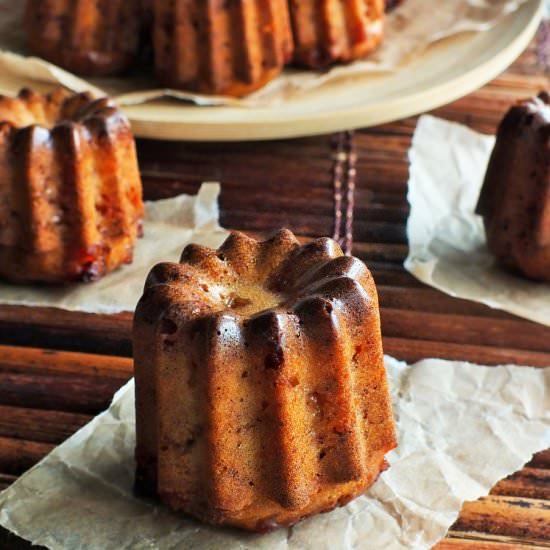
pixel 261 394
pixel 88 37
pixel 206 46
pixel 515 198
pixel 327 32
pixel 70 189
pixel 226 48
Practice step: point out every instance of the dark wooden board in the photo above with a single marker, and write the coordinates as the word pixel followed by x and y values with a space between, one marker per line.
pixel 58 369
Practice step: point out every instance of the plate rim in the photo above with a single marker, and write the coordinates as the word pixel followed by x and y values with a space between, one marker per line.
pixel 320 123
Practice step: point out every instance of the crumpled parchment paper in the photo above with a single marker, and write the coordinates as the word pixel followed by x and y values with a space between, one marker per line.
pixel 461 428
pixel 447 246
pixel 169 225
pixel 410 30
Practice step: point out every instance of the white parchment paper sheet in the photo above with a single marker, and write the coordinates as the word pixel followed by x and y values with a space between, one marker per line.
pixel 410 30
pixel 447 246
pixel 169 225
pixel 461 428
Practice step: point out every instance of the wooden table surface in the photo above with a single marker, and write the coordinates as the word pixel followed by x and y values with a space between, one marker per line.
pixel 58 369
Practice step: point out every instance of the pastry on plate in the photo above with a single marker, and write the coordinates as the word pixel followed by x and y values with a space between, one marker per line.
pixel 261 393
pixel 88 37
pixel 70 189
pixel 204 46
pixel 223 48
pixel 515 198
pixel 327 32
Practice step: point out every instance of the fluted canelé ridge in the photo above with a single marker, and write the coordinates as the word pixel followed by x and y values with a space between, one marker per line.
pixel 70 189
pixel 332 31
pixel 223 47
pixel 261 395
pixel 89 37
pixel 232 47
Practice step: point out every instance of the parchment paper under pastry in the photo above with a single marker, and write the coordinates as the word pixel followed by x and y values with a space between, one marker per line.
pixel 461 428
pixel 447 246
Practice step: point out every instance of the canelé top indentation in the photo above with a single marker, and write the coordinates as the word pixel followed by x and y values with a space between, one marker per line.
pixel 30 108
pixel 245 277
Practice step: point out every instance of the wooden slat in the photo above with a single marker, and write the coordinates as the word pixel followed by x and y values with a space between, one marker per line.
pixel 541 460
pixel 415 350
pixel 430 300
pixel 72 393
pixel 479 543
pixel 466 329
pixel 522 518
pixel 5 481
pixel 39 425
pixel 533 483
pixel 18 455
pixel 47 361
pixel 69 330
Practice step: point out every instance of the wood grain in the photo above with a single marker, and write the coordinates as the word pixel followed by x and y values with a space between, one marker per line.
pixel 18 455
pixel 42 426
pixel 470 541
pixel 55 362
pixel 532 483
pixel 507 516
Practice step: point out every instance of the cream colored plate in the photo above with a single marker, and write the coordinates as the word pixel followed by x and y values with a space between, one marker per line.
pixel 447 71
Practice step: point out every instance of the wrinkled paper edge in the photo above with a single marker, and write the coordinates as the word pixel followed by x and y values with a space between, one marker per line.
pixel 425 217
pixel 403 377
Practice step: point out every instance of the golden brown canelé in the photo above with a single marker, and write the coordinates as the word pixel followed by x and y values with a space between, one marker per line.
pixel 70 189
pixel 228 48
pixel 225 47
pixel 515 198
pixel 261 393
pixel 88 37
pixel 327 32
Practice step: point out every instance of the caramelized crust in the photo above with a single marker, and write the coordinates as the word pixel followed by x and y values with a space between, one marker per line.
pixel 89 37
pixel 515 198
pixel 70 190
pixel 331 31
pixel 261 394
pixel 229 47
pixel 224 47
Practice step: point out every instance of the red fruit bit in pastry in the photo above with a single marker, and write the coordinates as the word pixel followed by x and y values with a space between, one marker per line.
pixel 89 263
pixel 134 197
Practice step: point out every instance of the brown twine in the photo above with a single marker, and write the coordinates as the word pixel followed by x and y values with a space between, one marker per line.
pixel 350 195
pixel 543 46
pixel 344 176
pixel 338 157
